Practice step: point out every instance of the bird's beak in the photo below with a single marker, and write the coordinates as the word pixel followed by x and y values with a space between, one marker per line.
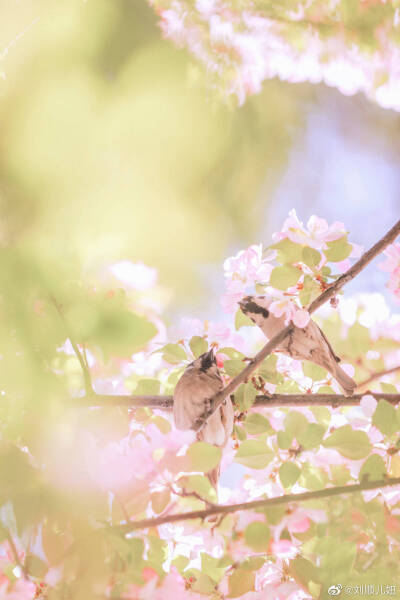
pixel 210 354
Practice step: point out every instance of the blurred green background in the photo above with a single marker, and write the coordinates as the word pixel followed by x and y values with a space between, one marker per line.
pixel 114 147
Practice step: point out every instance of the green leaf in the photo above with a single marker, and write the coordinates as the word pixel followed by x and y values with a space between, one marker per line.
pixel 245 396
pixel 242 320
pixel 314 371
pixel 388 388
pixel 239 432
pixel 201 485
pixel 252 563
pixel 121 332
pixel 233 367
pixel 358 340
pixel 349 442
pixel 157 553
pixel 268 370
pixel 161 423
pixel 311 436
pixel 203 457
pixel 288 251
pixel 204 584
pixel 36 566
pixel 240 582
pixel 180 562
pixel 256 423
pixel 340 474
pixel 173 353
pixel 231 352
pixel 147 387
pixel 284 440
pixel 322 414
pixel 384 418
pixel 373 469
pixel 254 454
pixel 198 345
pixel 338 249
pixel 257 536
pixel 310 256
pixel 303 571
pixel 284 277
pixel 313 478
pixel 289 473
pixel 311 289
pixel 160 500
pixel 211 566
pixel 295 422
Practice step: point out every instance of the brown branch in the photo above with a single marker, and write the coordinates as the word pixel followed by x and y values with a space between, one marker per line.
pixel 244 375
pixel 255 504
pixel 166 402
pixel 377 376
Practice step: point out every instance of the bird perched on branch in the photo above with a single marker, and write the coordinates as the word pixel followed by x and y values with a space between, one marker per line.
pixel 305 343
pixel 200 381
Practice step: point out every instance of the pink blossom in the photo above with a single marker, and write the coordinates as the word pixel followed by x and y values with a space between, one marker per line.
pixel 283 305
pixel 221 333
pixel 242 270
pixel 284 549
pixel 316 235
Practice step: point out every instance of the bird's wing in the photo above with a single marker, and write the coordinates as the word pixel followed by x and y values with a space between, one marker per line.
pixel 191 397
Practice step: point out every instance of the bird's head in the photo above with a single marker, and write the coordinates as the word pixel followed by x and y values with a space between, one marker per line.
pixel 207 362
pixel 255 307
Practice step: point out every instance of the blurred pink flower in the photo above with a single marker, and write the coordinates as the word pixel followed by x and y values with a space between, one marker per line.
pixel 171 587
pixel 284 549
pixel 392 265
pixel 135 276
pixel 20 590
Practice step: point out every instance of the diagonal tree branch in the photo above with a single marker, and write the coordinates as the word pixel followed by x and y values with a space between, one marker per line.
pixel 166 402
pixel 244 375
pixel 378 375
pixel 255 504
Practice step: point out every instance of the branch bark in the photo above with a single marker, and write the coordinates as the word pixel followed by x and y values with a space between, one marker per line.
pixel 255 504
pixel 166 402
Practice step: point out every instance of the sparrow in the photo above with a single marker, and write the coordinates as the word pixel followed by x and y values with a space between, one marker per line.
pixel 200 381
pixel 305 343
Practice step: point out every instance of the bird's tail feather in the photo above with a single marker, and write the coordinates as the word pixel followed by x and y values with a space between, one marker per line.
pixel 345 381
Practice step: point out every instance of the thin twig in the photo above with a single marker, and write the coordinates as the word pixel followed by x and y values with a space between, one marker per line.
pixel 81 358
pixel 166 402
pixel 15 551
pixel 377 376
pixel 255 504
pixel 244 375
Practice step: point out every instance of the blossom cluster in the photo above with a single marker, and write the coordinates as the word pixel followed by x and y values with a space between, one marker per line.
pixel 252 268
pixel 247 44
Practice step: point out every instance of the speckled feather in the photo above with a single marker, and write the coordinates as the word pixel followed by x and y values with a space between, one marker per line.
pixel 198 384
pixel 306 343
